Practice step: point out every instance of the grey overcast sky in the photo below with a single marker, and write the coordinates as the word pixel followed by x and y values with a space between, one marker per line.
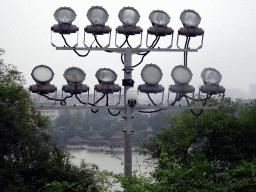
pixel 229 41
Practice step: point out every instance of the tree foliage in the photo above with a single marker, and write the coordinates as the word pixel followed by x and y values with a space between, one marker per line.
pixel 212 152
pixel 29 160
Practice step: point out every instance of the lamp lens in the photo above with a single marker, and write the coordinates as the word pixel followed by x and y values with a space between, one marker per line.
pixel 151 74
pixel 159 18
pixel 74 75
pixel 97 16
pixel 181 74
pixel 42 74
pixel 211 76
pixel 65 15
pixel 190 18
pixel 129 16
pixel 106 75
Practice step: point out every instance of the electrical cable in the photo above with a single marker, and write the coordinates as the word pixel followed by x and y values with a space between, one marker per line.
pixel 198 114
pixel 82 101
pixel 61 100
pixel 109 109
pixel 151 99
pixel 95 37
pixel 75 48
pixel 144 54
pixel 97 102
pixel 151 111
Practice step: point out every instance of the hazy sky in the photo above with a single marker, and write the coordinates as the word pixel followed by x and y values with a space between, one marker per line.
pixel 229 41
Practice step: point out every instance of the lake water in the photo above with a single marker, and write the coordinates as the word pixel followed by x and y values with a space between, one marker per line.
pixel 109 163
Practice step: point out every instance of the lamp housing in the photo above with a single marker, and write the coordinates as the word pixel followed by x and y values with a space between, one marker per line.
pixel 42 75
pixel 106 78
pixel 211 76
pixel 106 75
pixel 159 18
pixel 151 74
pixel 97 15
pixel 181 75
pixel 74 75
pixel 64 16
pixel 190 18
pixel 129 16
pixel 75 88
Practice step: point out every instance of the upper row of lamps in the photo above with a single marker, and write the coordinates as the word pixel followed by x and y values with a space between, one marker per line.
pixel 129 16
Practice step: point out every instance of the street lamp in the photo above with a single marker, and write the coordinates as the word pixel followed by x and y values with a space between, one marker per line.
pixel 159 20
pixel 98 16
pixel 42 75
pixel 74 77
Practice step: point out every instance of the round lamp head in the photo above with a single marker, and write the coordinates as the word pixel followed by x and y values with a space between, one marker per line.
pixel 42 74
pixel 181 74
pixel 65 15
pixel 159 18
pixel 74 75
pixel 190 18
pixel 129 16
pixel 97 15
pixel 211 76
pixel 106 75
pixel 151 74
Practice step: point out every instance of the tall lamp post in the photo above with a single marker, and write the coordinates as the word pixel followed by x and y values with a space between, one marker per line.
pixel 151 73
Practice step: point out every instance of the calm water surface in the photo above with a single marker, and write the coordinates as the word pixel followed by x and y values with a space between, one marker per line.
pixel 109 163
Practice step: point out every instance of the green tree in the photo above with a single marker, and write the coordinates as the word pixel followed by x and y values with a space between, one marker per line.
pixel 212 152
pixel 29 160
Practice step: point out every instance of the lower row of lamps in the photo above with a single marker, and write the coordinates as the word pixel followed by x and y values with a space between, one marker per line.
pixel 151 74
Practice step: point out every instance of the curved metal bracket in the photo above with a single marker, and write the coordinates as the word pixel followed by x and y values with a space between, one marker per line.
pixel 102 47
pixel 170 46
pixel 73 46
pixel 135 47
pixel 177 43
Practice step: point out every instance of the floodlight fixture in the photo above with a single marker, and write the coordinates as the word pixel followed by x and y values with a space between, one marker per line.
pixel 106 78
pixel 181 75
pixel 129 16
pixel 151 74
pixel 64 16
pixel 190 18
pixel 42 75
pixel 74 77
pixel 211 78
pixel 159 20
pixel 105 75
pixel 97 15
